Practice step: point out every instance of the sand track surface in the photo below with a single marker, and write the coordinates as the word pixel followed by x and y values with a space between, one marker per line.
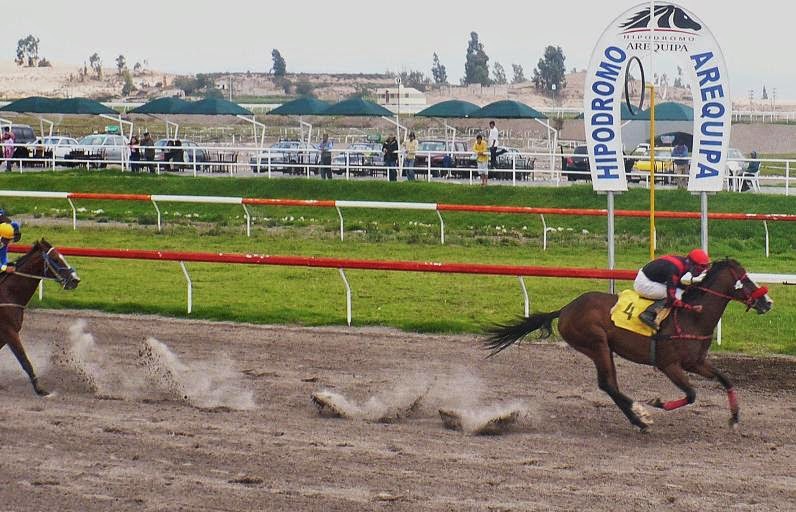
pixel 155 414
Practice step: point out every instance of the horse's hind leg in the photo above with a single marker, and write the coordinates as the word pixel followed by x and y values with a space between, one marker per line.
pixel 606 378
pixel 706 369
pixel 15 345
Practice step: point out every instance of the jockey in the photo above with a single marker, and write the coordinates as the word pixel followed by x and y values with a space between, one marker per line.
pixel 9 231
pixel 660 279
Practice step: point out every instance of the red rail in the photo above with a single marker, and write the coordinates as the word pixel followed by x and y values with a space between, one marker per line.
pixel 307 261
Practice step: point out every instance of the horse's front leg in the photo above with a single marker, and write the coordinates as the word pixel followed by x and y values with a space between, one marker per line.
pixel 706 369
pixel 15 344
pixel 678 376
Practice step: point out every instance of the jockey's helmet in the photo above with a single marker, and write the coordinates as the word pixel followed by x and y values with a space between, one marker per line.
pixel 6 230
pixel 699 258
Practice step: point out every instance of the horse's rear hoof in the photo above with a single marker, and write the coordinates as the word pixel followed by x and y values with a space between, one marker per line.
pixel 645 429
pixel 42 392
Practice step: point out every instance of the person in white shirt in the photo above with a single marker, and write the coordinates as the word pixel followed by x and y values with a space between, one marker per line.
pixel 493 145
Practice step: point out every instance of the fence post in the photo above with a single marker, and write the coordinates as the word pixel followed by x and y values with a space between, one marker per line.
pixel 347 296
pixel 514 171
pixel 441 228
pixel 160 228
pixel 525 296
pixel 190 286
pixel 193 151
pixel 787 177
pixel 340 214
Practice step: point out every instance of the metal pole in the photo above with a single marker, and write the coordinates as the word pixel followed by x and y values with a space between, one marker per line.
pixel 703 200
pixel 190 286
pixel 340 214
pixel 347 296
pixel 441 228
pixel 74 214
pixel 611 245
pixel 525 297
pixel 652 169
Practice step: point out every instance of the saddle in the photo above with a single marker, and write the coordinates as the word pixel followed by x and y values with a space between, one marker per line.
pixel 626 311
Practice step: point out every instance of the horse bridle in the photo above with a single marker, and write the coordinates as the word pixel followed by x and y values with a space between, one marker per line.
pixel 49 265
pixel 748 298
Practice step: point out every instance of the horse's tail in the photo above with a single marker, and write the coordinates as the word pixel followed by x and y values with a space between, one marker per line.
pixel 503 336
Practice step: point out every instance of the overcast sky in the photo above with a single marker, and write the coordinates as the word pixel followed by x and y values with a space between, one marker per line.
pixel 367 36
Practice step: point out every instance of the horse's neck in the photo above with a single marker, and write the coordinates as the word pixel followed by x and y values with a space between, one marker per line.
pixel 713 307
pixel 19 289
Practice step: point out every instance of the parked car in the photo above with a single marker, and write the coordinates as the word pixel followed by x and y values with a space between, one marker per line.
pixel 104 147
pixel 512 158
pixel 576 167
pixel 286 155
pixel 363 158
pixel 166 151
pixel 58 145
pixel 443 153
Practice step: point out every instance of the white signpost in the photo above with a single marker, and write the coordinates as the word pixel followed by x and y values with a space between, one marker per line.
pixel 649 30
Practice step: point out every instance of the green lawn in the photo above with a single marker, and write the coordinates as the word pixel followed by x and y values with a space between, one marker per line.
pixel 412 301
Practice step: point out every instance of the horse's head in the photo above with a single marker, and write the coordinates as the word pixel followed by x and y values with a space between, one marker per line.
pixel 55 265
pixel 730 278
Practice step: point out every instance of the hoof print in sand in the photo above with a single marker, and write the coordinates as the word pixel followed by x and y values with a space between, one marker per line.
pixel 477 424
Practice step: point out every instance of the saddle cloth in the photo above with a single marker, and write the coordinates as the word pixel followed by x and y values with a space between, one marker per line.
pixel 627 309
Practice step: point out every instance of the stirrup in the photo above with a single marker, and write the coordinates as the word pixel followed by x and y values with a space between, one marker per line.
pixel 648 319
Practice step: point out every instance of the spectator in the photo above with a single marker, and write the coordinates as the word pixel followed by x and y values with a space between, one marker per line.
pixel 135 154
pixel 390 150
pixel 168 154
pixel 750 173
pixel 493 145
pixel 178 155
pixel 411 153
pixel 149 151
pixel 680 154
pixel 326 157
pixel 480 149
pixel 8 146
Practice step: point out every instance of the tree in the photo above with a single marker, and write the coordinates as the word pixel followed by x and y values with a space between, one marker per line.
pixel 27 51
pixel 96 64
pixel 499 74
pixel 280 67
pixel 438 71
pixel 765 94
pixel 128 86
pixel 476 65
pixel 415 79
pixel 305 88
pixel 121 64
pixel 550 71
pixel 137 68
pixel 519 74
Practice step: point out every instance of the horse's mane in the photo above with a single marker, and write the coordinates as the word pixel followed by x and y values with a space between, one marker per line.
pixel 716 269
pixel 25 257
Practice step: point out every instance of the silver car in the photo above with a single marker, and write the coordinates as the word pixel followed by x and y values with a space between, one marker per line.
pixel 105 148
pixel 289 156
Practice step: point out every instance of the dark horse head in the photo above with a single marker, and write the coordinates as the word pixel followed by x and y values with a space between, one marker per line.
pixel 668 16
pixel 728 279
pixel 44 261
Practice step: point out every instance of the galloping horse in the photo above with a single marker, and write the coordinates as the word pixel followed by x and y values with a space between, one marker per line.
pixel 42 261
pixel 680 345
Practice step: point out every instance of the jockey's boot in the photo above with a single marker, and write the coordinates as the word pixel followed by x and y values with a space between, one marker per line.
pixel 650 315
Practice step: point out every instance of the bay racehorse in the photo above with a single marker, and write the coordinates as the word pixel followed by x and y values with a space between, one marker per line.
pixel 41 262
pixel 681 345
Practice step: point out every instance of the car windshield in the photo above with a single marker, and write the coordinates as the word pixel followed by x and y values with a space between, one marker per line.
pixel 92 140
pixel 432 146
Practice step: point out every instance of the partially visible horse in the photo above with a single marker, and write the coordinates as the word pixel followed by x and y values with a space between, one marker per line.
pixel 42 261
pixel 680 345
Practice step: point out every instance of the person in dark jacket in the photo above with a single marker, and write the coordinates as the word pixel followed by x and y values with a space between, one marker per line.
pixel 660 280
pixel 390 150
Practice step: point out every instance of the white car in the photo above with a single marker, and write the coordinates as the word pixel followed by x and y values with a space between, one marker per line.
pixel 59 145
pixel 107 148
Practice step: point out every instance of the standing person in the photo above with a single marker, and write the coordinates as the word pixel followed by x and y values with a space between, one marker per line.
pixel 660 279
pixel 149 151
pixel 411 153
pixel 326 157
pixel 480 149
pixel 390 150
pixel 9 232
pixel 8 146
pixel 493 145
pixel 135 153
pixel 680 156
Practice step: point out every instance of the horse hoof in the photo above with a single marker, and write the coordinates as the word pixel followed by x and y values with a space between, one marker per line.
pixel 42 392
pixel 644 429
pixel 733 424
pixel 655 402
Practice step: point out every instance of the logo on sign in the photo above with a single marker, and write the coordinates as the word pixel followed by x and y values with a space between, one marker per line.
pixel 669 18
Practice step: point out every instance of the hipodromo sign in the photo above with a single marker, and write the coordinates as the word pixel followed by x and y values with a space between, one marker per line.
pixel 683 37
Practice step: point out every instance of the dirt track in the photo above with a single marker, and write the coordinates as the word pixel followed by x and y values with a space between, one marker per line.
pixel 228 425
